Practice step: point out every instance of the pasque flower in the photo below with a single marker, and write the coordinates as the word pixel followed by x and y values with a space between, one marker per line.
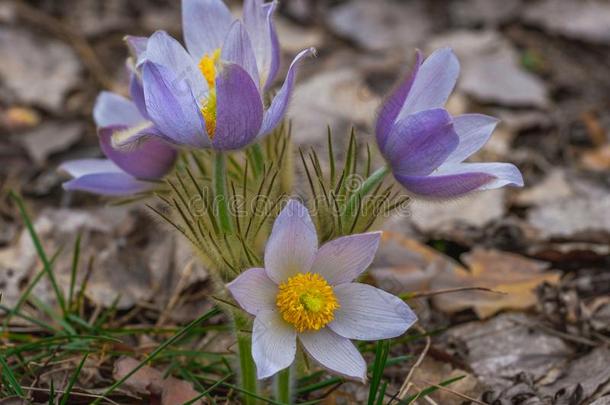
pixel 308 294
pixel 425 146
pixel 124 172
pixel 211 96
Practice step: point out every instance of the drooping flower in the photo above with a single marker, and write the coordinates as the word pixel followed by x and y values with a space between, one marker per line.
pixel 212 95
pixel 124 172
pixel 308 294
pixel 425 146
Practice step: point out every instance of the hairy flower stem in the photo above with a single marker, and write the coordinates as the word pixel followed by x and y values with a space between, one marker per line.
pixel 246 363
pixel 220 193
pixel 258 159
pixel 365 187
pixel 284 386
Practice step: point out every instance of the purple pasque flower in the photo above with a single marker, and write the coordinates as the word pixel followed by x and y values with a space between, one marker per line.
pixel 307 293
pixel 425 146
pixel 128 171
pixel 211 94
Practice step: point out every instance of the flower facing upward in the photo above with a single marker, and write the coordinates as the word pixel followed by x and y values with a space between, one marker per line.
pixel 425 146
pixel 211 96
pixel 124 172
pixel 307 293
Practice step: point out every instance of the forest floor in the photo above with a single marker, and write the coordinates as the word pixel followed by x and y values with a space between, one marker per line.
pixel 512 286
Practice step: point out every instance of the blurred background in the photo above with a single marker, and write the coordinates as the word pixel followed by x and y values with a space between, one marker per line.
pixel 541 66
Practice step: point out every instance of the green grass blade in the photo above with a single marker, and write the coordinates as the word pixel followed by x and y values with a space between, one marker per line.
pixel 158 350
pixel 40 250
pixel 381 357
pixel 11 377
pixel 66 394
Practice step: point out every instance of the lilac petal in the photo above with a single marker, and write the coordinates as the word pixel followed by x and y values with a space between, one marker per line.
pixel 258 19
pixel 334 353
pixel 292 246
pixel 237 48
pixel 278 106
pixel 274 343
pixel 165 51
pixel 239 110
pixel 82 167
pixel 504 174
pixel 368 313
pixel 342 260
pixel 137 46
pixel 205 24
pixel 111 184
pixel 434 82
pixel 113 109
pixel 474 131
pixel 254 291
pixel 444 186
pixel 136 91
pixel 174 111
pixel 420 143
pixel 391 106
pixel 151 160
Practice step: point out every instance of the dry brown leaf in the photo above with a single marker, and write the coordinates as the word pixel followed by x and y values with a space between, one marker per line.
pixel 146 380
pixel 597 159
pixel 514 275
pixel 149 380
pixel 177 392
pixel 404 264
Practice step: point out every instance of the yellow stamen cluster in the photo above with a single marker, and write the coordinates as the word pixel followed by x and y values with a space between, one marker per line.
pixel 307 302
pixel 207 66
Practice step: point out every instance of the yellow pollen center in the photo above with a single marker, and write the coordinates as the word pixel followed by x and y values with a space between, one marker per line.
pixel 307 302
pixel 208 66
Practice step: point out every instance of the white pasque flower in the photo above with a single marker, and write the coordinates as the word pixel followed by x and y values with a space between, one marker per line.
pixel 307 293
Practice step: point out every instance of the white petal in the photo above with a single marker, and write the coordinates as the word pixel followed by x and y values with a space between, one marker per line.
pixel 368 313
pixel 274 343
pixel 83 167
pixel 293 243
pixel 343 259
pixel 507 174
pixel 474 131
pixel 335 353
pixel 254 291
pixel 434 82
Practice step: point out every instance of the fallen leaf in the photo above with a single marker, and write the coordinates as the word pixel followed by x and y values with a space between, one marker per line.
pixel 588 218
pixel 18 118
pixel 337 99
pixel 591 373
pixel 514 275
pixel 49 138
pixel 488 12
pixel 296 38
pixel 447 217
pixel 433 372
pixel 403 264
pixel 40 71
pixel 502 347
pixel 553 187
pixel 382 24
pixel 177 392
pixel 597 159
pixel 491 71
pixel 146 380
pixel 585 20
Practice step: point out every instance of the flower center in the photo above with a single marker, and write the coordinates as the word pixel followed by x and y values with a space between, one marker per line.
pixel 208 67
pixel 307 301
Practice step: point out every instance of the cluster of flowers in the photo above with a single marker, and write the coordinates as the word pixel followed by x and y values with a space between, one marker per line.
pixel 212 95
